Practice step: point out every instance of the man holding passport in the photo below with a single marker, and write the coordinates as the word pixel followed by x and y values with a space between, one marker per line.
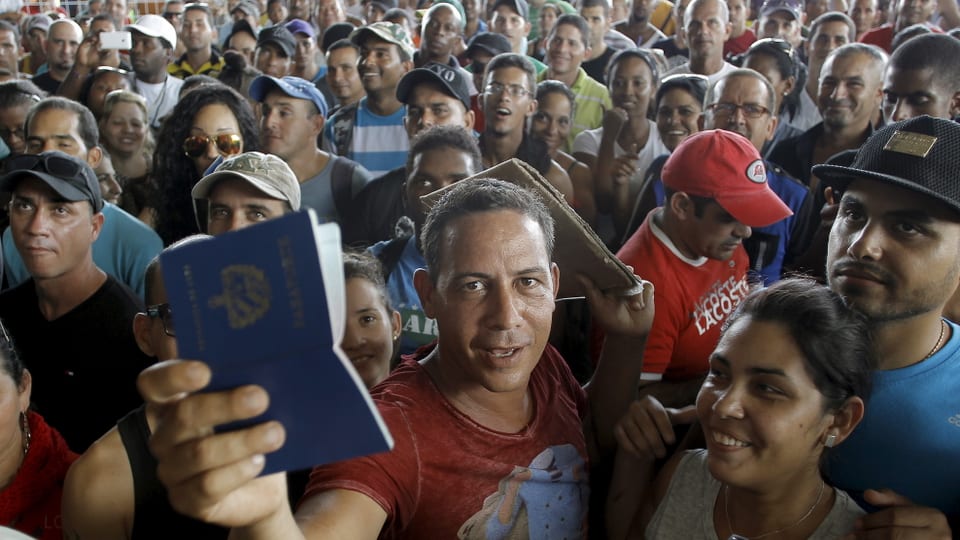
pixel 493 434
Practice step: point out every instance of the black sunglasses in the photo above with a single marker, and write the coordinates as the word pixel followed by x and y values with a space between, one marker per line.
pixel 165 314
pixel 53 164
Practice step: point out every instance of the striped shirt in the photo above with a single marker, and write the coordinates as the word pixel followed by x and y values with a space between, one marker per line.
pixel 592 100
pixel 379 143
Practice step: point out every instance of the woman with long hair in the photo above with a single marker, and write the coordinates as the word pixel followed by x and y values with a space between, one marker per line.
pixel 208 122
pixel 788 381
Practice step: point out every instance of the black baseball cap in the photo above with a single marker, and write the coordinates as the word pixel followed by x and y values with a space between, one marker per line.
pixel 919 154
pixel 452 80
pixel 489 42
pixel 280 36
pixel 70 177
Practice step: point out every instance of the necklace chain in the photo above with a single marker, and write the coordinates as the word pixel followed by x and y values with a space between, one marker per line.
pixel 939 343
pixel 726 512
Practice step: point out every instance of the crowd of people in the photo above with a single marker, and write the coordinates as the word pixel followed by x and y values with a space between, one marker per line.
pixel 780 176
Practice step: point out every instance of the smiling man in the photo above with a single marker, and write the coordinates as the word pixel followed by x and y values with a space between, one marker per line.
pixel 691 250
pixel 567 46
pixel 490 418
pixel 371 132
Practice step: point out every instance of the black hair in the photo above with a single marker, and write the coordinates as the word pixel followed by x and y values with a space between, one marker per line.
pixel 699 202
pixel 908 33
pixel 787 65
pixel 360 263
pixel 101 71
pixel 513 60
pixel 643 54
pixel 9 357
pixel 200 6
pixel 195 81
pixel 344 44
pixel 446 137
pixel 937 52
pixel 695 85
pixel 595 3
pixel 476 196
pixel 835 341
pixel 86 123
pixel 835 16
pixel 175 172
pixel 576 21
pixel 545 88
pixel 152 273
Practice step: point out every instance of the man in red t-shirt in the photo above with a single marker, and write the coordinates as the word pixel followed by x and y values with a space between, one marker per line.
pixel 907 14
pixel 493 434
pixel 691 250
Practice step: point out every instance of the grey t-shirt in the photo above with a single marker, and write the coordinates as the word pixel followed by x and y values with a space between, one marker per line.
pixel 318 192
pixel 687 509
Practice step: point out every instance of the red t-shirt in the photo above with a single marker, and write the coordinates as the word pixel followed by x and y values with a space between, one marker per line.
pixel 882 36
pixel 448 475
pixel 692 299
pixel 740 44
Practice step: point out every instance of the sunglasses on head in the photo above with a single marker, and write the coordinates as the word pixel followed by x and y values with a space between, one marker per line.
pixel 227 144
pixel 52 164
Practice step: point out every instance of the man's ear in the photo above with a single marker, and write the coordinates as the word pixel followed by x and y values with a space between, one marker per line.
pixel 955 104
pixel 94 157
pixel 555 273
pixel 681 205
pixel 771 126
pixel 141 333
pixel 319 121
pixel 469 120
pixel 426 291
pixel 97 222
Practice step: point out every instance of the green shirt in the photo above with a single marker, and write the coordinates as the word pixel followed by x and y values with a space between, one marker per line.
pixel 592 100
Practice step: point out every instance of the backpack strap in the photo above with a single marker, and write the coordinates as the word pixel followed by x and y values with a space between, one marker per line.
pixel 341 183
pixel 390 255
pixel 343 123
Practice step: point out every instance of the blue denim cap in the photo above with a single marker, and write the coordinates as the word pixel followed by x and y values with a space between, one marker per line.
pixel 294 87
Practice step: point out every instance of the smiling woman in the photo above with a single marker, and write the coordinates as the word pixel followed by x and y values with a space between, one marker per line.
pixel 787 382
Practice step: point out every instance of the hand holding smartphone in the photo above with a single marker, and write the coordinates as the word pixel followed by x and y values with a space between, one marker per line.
pixel 116 40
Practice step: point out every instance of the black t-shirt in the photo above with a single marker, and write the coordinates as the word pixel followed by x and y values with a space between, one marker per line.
pixel 597 68
pixel 84 363
pixel 46 82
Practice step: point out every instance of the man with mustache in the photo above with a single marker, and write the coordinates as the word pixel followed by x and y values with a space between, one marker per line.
pixel 691 250
pixel 893 257
pixel 849 96
pixel 371 132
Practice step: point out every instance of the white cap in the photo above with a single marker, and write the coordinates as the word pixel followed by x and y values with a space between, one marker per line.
pixel 155 26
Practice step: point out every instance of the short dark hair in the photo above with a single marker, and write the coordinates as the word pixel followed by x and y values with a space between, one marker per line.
pixel 594 3
pixel 343 44
pixel 86 123
pixel 691 83
pixel 17 92
pixel 10 360
pixel 507 60
pixel 103 17
pixel 200 6
pixel 937 52
pixel 835 16
pixel 452 137
pixel 152 274
pixel 576 21
pixel 476 196
pixel 362 264
pixel 4 25
pixel 699 202
pixel 545 88
pixel 835 341
pixel 908 33
pixel 643 54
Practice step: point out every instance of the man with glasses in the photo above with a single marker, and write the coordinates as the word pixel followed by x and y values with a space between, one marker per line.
pixel 691 249
pixel 72 322
pixel 743 102
pixel 508 101
pixel 196 35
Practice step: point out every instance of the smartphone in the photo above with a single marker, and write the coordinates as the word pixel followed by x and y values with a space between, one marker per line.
pixel 116 40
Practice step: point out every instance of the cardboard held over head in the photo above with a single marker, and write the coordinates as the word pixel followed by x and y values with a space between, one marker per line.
pixel 578 250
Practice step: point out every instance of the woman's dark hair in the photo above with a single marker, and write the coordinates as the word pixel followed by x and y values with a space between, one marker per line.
pixel 648 58
pixel 362 264
pixel 545 88
pixel 835 341
pixel 101 71
pixel 691 83
pixel 175 173
pixel 787 65
pixel 9 358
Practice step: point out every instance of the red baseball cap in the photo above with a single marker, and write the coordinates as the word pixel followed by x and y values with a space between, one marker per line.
pixel 726 167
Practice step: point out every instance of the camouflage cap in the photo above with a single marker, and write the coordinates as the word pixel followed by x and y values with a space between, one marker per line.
pixel 266 172
pixel 386 31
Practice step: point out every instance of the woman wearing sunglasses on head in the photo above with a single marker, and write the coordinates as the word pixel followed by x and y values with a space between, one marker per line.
pixel 129 147
pixel 787 382
pixel 208 122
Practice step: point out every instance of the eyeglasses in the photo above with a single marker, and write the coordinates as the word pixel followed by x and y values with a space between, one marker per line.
pixel 750 110
pixel 53 164
pixel 227 144
pixel 777 44
pixel 515 90
pixel 165 314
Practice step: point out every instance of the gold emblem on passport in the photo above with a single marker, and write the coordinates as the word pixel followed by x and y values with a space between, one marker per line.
pixel 246 294
pixel 912 144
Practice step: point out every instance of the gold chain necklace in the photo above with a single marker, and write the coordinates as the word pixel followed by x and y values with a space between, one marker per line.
pixel 734 536
pixel 939 343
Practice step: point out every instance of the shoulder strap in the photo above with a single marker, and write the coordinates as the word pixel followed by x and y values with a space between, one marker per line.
pixel 341 183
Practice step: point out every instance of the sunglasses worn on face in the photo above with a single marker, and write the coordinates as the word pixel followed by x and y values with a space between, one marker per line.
pixel 227 144
pixel 165 314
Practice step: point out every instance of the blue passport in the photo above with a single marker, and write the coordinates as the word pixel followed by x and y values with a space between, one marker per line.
pixel 266 305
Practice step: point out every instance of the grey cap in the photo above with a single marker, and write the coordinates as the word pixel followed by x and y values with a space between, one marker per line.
pixel 266 172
